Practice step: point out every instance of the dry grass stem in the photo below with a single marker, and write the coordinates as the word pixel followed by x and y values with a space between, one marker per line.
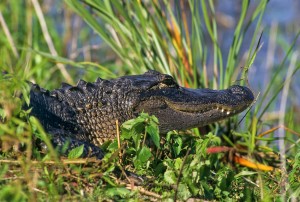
pixel 8 35
pixel 49 41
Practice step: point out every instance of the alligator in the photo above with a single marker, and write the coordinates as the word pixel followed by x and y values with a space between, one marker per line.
pixel 87 113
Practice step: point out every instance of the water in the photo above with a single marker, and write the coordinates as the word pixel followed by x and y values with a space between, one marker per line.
pixel 282 18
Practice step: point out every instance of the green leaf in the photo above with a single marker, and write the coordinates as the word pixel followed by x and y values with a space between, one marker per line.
pixel 170 177
pixel 178 163
pixel 178 145
pixel 118 191
pixel 153 131
pixel 245 173
pixel 133 122
pixel 76 152
pixel 113 146
pixel 183 192
pixel 142 157
pixel 144 154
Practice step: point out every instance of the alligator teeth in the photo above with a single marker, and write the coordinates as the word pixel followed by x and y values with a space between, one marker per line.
pixel 222 110
pixel 228 112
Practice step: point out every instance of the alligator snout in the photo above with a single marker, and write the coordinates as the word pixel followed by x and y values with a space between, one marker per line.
pixel 244 93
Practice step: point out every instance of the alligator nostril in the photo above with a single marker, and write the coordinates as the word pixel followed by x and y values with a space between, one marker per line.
pixel 242 90
pixel 237 89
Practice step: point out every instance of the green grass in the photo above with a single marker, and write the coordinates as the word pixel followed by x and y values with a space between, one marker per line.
pixel 138 36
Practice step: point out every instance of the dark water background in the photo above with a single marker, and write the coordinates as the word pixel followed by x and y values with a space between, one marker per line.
pixel 281 19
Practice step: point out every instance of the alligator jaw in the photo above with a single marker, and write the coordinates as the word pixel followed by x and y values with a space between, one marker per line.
pixel 230 101
pixel 184 108
pixel 191 108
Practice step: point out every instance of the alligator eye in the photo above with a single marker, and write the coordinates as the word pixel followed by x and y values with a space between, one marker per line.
pixel 162 85
pixel 169 82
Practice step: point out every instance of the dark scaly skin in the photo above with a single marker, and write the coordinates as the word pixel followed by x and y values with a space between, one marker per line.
pixel 87 113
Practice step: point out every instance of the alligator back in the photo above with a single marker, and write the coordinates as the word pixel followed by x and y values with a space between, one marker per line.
pixel 87 111
pixel 52 112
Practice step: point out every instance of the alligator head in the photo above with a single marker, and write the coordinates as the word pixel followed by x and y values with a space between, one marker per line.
pixel 88 111
pixel 179 108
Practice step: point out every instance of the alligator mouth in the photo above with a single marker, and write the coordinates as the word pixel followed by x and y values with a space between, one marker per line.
pixel 197 108
pixel 226 102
